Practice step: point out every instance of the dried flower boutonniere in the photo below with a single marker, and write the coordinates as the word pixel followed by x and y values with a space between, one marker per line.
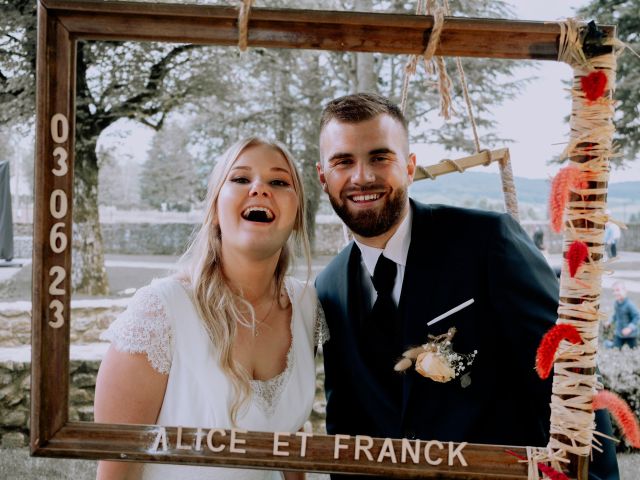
pixel 436 359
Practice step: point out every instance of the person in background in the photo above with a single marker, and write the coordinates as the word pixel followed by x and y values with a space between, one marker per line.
pixel 625 319
pixel 538 238
pixel 611 236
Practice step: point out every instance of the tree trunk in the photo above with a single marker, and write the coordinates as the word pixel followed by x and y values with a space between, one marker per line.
pixel 312 149
pixel 88 273
pixel 366 78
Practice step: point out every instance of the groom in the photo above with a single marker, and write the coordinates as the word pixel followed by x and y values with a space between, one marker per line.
pixel 411 263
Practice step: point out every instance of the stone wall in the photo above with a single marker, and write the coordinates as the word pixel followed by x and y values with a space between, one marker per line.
pixel 15 390
pixel 89 318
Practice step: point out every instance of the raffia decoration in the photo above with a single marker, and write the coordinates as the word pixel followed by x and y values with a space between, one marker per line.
pixel 572 416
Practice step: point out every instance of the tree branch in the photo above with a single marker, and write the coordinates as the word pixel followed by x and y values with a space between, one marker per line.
pixel 157 74
pixel 156 126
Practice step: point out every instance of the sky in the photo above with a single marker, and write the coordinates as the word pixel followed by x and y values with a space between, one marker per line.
pixel 535 119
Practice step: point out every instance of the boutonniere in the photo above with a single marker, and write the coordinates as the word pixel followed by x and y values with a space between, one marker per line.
pixel 437 360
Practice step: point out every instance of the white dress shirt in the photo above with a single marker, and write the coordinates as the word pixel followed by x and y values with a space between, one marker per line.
pixel 397 249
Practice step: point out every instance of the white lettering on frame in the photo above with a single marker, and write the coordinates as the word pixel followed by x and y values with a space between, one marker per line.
pixel 58 208
pixel 58 204
pixel 60 155
pixel 364 447
pixel 457 453
pixel 337 446
pixel 210 435
pixel 60 274
pixel 413 453
pixel 179 445
pixel 199 435
pixel 387 451
pixel 277 443
pixel 57 239
pixel 303 443
pixel 237 441
pixel 368 443
pixel 427 449
pixel 59 128
pixel 58 308
pixel 161 437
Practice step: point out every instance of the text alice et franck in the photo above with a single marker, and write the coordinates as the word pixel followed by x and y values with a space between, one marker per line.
pixel 359 446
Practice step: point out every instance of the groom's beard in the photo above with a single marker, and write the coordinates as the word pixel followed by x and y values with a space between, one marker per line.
pixel 375 221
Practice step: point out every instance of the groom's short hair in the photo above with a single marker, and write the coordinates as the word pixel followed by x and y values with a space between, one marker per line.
pixel 360 107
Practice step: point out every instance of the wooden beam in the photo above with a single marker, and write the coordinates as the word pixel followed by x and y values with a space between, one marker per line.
pixel 55 94
pixel 132 443
pixel 461 164
pixel 307 29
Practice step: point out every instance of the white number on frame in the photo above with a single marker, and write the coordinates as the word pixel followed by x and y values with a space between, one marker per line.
pixel 59 274
pixel 58 208
pixel 58 204
pixel 58 308
pixel 59 128
pixel 57 239
pixel 60 155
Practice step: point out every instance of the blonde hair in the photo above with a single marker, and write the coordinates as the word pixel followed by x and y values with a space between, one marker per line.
pixel 218 305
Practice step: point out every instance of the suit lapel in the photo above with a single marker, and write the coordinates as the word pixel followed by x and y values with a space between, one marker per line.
pixel 348 282
pixel 416 299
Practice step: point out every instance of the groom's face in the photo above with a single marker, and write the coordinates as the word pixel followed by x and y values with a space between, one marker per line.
pixel 366 168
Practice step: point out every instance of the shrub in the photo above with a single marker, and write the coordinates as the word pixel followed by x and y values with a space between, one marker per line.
pixel 620 370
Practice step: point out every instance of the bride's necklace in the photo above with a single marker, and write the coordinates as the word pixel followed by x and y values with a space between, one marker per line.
pixel 256 324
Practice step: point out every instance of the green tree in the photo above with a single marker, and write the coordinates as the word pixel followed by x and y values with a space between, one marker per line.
pixel 17 60
pixel 138 81
pixel 118 179
pixel 170 174
pixel 626 15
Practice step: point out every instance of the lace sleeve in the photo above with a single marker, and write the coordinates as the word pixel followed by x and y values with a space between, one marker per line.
pixel 144 328
pixel 321 329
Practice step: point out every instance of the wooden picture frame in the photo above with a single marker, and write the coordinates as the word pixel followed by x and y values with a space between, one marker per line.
pixel 60 25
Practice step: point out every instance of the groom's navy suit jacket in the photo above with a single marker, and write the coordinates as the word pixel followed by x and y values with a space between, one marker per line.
pixel 455 254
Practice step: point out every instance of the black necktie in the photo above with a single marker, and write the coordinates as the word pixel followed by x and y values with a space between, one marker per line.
pixel 384 277
pixel 382 337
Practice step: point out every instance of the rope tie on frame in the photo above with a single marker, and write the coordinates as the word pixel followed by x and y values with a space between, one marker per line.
pixel 444 83
pixel 243 24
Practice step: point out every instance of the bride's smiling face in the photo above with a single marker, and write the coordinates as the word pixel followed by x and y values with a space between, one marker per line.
pixel 258 203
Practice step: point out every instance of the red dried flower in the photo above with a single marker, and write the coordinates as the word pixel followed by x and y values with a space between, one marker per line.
pixel 565 179
pixel 594 85
pixel 550 472
pixel 576 255
pixel 622 414
pixel 549 345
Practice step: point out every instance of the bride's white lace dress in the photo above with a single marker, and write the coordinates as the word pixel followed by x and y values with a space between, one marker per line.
pixel 162 321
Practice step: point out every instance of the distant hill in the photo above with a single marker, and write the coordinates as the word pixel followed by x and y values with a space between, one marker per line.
pixel 455 188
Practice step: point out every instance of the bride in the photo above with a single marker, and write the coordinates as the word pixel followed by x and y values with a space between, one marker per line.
pixel 228 341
